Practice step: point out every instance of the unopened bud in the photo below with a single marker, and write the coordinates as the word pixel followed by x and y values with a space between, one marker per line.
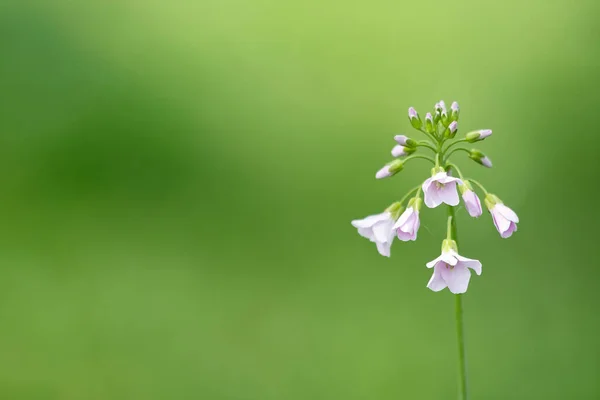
pixel 445 118
pixel 405 141
pixel 450 131
pixel 414 118
pixel 429 123
pixel 396 209
pixel 480 158
pixel 390 169
pixel 454 111
pixel 399 151
pixel 476 136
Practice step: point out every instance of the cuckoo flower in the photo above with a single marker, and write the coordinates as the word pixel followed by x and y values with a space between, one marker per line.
pixel 451 270
pixel 379 228
pixel 408 224
pixel 472 203
pixel 504 218
pixel 440 188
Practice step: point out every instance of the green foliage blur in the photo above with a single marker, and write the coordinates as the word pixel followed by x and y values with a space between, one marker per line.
pixel 178 180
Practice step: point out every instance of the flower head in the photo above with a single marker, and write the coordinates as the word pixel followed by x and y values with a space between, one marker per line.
pixel 504 218
pixel 451 270
pixel 377 228
pixel 440 188
pixel 408 224
pixel 472 203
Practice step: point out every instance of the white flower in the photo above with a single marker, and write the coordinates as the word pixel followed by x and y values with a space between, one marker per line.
pixel 441 188
pixel 472 203
pixel 379 229
pixel 408 224
pixel 451 270
pixel 504 218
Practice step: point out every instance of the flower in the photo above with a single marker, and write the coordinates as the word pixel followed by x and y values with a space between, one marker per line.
pixel 441 188
pixel 451 270
pixel 408 224
pixel 504 218
pixel 379 229
pixel 472 203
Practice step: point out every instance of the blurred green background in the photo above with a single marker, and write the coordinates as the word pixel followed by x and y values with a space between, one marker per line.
pixel 178 180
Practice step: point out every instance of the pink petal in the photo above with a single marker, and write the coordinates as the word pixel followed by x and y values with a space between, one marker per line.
pixel 475 265
pixel 436 283
pixel 448 194
pixel 384 248
pixel 507 212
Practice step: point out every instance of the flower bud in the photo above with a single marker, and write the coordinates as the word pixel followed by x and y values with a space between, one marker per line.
pixel 445 118
pixel 405 141
pixel 400 151
pixel 429 123
pixel 480 158
pixel 439 107
pixel 476 136
pixel 454 111
pixel 390 169
pixel 414 118
pixel 450 131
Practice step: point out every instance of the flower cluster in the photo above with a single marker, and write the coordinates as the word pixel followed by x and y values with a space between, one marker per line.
pixel 450 269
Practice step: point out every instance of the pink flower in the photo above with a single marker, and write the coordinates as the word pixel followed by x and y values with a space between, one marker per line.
pixel 441 188
pixel 451 270
pixel 408 224
pixel 504 218
pixel 472 203
pixel 378 229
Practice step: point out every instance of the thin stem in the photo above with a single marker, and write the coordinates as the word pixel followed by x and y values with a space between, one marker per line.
pixel 419 156
pixel 455 150
pixel 460 175
pixel 478 184
pixel 411 191
pixel 429 135
pixel 449 228
pixel 426 144
pixel 462 358
pixel 455 143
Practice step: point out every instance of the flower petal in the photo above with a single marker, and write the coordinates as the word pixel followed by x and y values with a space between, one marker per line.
pixel 448 194
pixel 382 229
pixel 436 282
pixel 404 217
pixel 371 220
pixel 507 212
pixel 475 265
pixel 457 278
pixel 384 248
pixel 432 198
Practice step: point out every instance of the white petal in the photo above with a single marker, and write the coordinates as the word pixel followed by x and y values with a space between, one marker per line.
pixel 384 248
pixel 507 212
pixel 457 278
pixel 502 224
pixel 371 220
pixel 382 229
pixel 448 194
pixel 404 217
pixel 436 283
pixel 475 265
pixel 432 197
pixel 367 233
pixel 432 263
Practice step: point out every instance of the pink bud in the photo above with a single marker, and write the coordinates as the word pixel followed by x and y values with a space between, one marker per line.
pixel 383 172
pixel 484 133
pixel 401 139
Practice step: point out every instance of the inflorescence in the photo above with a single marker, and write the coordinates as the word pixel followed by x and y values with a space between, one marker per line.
pixel 450 269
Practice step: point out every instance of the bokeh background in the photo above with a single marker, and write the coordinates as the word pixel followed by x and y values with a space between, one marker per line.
pixel 178 179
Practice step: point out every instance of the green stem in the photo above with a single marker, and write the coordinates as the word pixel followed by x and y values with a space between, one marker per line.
pixel 429 135
pixel 478 184
pixel 411 191
pixel 454 144
pixel 447 156
pixel 460 335
pixel 419 156
pixel 426 144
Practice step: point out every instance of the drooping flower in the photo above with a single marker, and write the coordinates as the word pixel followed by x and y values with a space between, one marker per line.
pixel 472 203
pixel 504 218
pixel 451 270
pixel 378 229
pixel 441 188
pixel 408 224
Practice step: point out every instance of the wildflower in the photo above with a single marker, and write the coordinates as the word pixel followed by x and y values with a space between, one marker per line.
pixel 378 229
pixel 408 224
pixel 440 188
pixel 504 218
pixel 451 270
pixel 472 203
